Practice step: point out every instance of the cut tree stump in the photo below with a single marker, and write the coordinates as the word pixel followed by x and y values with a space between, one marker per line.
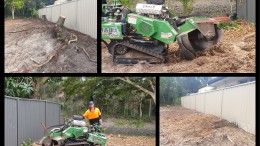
pixel 44 18
pixel 61 21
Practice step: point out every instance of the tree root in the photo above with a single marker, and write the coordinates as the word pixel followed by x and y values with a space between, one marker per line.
pixel 73 38
pixel 247 36
pixel 18 31
pixel 88 55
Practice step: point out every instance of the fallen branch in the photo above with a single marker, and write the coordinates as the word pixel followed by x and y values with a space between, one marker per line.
pixel 88 55
pixel 53 56
pixel 247 36
pixel 34 61
pixel 18 31
pixel 23 25
pixel 73 40
pixel 231 140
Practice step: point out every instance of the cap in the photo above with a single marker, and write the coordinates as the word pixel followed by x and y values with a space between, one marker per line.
pixel 91 102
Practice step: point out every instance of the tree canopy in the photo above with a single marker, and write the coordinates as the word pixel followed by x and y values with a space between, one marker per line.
pixel 115 96
pixel 172 88
pixel 25 8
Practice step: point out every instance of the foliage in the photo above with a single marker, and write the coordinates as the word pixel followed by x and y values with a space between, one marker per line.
pixel 172 88
pixel 187 6
pixel 34 12
pixel 28 7
pixel 122 97
pixel 137 123
pixel 14 5
pixel 18 86
pixel 229 25
pixel 28 142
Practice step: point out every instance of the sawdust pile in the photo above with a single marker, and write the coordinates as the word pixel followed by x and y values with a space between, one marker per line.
pixel 181 126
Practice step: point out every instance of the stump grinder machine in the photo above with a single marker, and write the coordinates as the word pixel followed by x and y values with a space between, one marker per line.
pixel 150 29
pixel 73 133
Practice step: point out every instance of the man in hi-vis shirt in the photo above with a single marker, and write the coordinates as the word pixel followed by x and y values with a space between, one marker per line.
pixel 93 114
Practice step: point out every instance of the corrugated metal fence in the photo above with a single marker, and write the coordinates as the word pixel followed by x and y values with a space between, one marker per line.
pixel 246 10
pixel 23 118
pixel 235 104
pixel 81 15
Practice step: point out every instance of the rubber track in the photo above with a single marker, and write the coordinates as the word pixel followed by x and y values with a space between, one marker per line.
pixel 75 143
pixel 142 49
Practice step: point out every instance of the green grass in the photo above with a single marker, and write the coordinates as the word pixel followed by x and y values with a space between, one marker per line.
pixel 120 123
pixel 137 123
pixel 27 142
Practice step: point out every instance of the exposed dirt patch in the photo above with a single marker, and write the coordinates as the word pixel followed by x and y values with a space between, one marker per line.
pixel 235 53
pixel 118 140
pixel 181 126
pixel 127 128
pixel 30 43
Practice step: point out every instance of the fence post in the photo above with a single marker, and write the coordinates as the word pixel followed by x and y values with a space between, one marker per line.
pixel 204 102
pixel 45 113
pixel 17 119
pixel 77 15
pixel 222 102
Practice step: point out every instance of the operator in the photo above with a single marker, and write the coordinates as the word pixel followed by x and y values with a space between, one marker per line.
pixel 93 114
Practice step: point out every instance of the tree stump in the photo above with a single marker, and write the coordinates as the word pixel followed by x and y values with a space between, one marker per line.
pixel 61 21
pixel 44 18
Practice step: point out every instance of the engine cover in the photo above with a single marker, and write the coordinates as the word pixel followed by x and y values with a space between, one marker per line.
pixel 149 9
pixel 79 123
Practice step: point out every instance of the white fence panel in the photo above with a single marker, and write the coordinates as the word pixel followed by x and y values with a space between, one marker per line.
pixel 185 101
pixel 235 104
pixel 81 15
pixel 213 103
pixel 200 101
pixel 192 100
pixel 87 17
pixel 239 106
pixel 49 14
pixel 69 10
pixel 55 14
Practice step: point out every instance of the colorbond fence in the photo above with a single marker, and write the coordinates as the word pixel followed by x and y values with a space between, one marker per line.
pixel 81 15
pixel 247 10
pixel 235 104
pixel 23 118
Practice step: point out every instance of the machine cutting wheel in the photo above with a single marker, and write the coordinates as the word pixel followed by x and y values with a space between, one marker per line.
pixel 150 29
pixel 195 41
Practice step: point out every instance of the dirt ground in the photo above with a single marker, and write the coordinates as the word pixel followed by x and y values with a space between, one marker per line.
pixel 181 126
pixel 118 140
pixel 235 53
pixel 148 129
pixel 129 135
pixel 29 43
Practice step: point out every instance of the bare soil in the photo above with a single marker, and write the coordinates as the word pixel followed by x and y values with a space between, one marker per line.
pixel 118 140
pixel 111 126
pixel 127 134
pixel 235 53
pixel 181 126
pixel 29 43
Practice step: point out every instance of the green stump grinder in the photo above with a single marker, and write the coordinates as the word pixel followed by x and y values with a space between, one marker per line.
pixel 73 133
pixel 150 29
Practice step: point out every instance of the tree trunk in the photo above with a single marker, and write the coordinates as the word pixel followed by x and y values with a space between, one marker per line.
pixel 13 13
pixel 150 108
pixel 37 86
pixel 44 18
pixel 152 94
pixel 140 108
pixel 61 21
pixel 124 109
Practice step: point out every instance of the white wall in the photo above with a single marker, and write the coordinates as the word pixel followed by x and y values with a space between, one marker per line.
pixel 81 15
pixel 235 104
